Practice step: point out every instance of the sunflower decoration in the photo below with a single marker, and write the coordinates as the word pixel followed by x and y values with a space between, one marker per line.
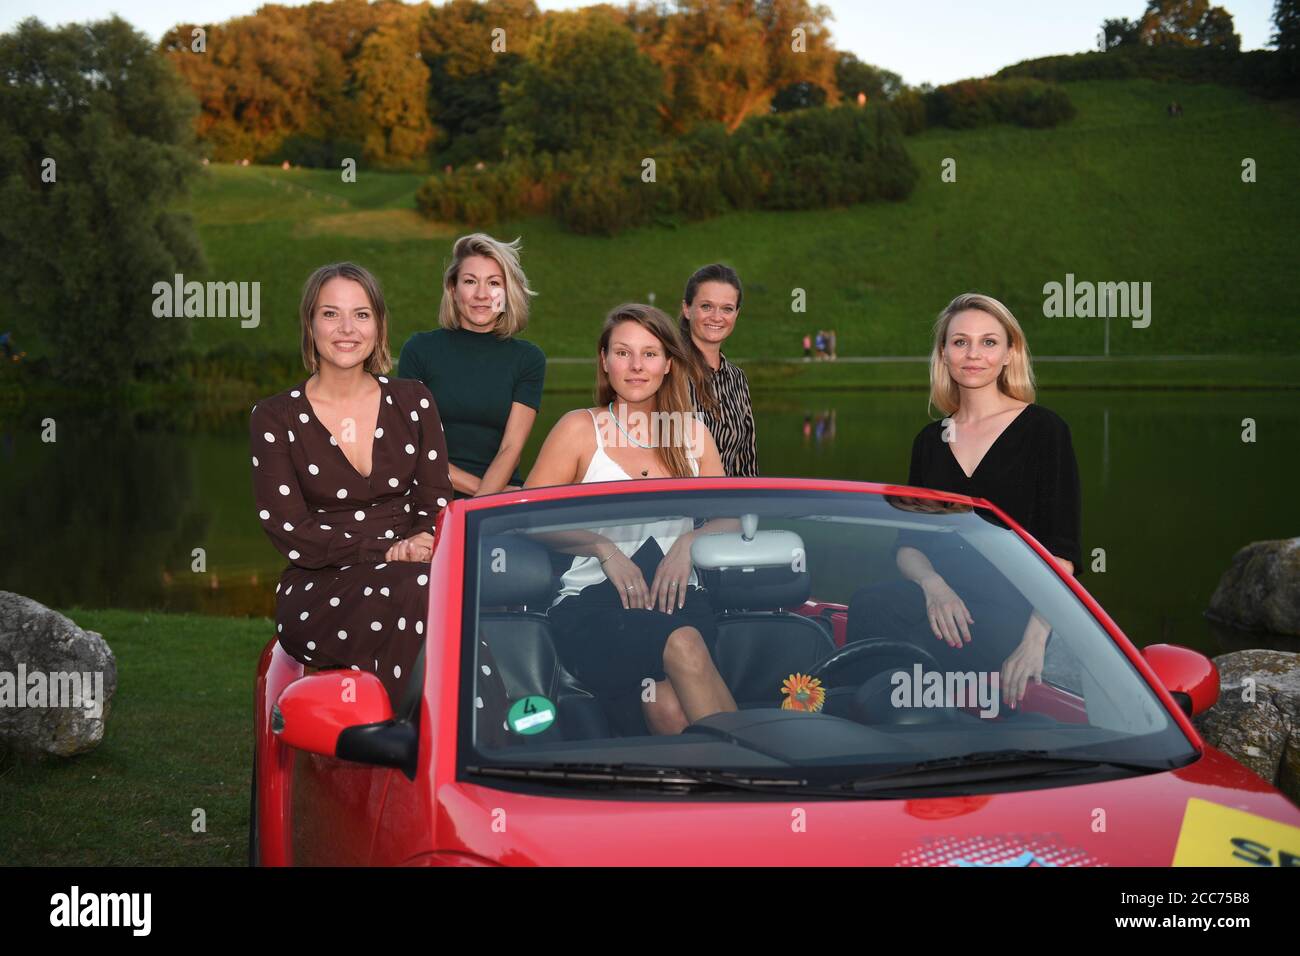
pixel 803 693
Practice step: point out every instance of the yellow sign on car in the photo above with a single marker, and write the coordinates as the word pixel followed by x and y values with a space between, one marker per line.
pixel 1215 835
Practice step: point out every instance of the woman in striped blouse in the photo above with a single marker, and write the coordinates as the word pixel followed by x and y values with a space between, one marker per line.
pixel 719 389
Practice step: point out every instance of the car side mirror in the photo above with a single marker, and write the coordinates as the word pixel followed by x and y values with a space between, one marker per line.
pixel 314 711
pixel 1188 675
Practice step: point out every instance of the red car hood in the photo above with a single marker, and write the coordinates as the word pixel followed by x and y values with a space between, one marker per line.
pixel 1193 814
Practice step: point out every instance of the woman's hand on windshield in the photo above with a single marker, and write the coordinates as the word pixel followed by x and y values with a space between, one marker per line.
pixel 948 614
pixel 627 579
pixel 1023 664
pixel 668 590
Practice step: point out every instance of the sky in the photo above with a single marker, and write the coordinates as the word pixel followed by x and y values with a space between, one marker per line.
pixel 934 41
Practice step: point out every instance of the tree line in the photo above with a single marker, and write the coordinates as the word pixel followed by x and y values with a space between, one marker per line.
pixel 396 84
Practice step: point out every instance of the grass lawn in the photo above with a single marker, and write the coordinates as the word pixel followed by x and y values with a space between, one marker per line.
pixel 179 738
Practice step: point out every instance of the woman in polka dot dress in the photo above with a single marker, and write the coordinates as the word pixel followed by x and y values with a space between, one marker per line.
pixel 349 474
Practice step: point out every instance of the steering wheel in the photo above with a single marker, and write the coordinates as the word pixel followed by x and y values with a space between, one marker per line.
pixel 870 703
pixel 860 651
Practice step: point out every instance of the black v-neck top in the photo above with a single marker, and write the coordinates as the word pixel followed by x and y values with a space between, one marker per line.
pixel 1029 471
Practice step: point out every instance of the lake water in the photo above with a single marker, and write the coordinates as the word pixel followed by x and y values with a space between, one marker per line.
pixel 109 515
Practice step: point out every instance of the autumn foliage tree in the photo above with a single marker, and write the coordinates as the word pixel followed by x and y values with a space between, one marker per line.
pixel 426 82
pixel 724 60
pixel 255 79
pixel 392 88
pixel 1177 23
pixel 324 72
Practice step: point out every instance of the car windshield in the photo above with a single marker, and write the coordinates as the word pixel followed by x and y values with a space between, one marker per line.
pixel 803 652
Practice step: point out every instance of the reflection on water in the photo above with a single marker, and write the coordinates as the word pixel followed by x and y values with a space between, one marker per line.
pixel 819 427
pixel 116 512
pixel 111 514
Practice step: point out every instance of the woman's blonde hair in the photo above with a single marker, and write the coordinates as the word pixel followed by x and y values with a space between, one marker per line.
pixel 380 360
pixel 1017 376
pixel 673 397
pixel 513 319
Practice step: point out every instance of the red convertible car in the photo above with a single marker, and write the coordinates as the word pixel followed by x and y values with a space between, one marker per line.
pixel 851 743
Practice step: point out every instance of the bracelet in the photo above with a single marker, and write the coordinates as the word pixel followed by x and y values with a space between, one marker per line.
pixel 608 556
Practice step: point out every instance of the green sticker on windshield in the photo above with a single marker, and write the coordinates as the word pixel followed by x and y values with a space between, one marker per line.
pixel 531 715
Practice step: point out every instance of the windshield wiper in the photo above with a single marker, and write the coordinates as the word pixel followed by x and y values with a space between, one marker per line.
pixel 638 775
pixel 943 771
pixel 988 765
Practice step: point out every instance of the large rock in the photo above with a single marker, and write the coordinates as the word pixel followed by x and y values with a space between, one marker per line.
pixel 1263 733
pixel 1261 591
pixel 56 681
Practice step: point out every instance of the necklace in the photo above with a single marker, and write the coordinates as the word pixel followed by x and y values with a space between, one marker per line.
pixel 624 430
pixel 645 472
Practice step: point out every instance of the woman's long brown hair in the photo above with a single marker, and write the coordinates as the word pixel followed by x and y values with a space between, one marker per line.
pixel 673 397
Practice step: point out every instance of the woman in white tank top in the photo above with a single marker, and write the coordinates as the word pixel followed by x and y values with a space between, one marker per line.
pixel 612 628
pixel 587 570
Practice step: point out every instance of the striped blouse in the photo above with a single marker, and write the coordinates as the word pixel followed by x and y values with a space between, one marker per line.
pixel 733 427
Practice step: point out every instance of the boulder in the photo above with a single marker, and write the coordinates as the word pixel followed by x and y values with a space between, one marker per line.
pixel 56 681
pixel 1261 731
pixel 1261 590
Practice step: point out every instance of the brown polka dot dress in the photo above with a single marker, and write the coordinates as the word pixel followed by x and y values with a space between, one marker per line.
pixel 338 603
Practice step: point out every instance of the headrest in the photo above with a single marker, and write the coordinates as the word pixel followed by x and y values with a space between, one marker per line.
pixel 753 570
pixel 758 589
pixel 513 570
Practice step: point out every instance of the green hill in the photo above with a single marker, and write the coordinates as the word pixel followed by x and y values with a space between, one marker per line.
pixel 1121 193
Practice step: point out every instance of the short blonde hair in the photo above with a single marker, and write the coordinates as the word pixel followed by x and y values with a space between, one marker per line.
pixel 514 317
pixel 380 360
pixel 1016 378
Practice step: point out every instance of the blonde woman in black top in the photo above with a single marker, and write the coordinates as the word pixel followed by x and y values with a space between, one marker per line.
pixel 994 443
pixel 719 389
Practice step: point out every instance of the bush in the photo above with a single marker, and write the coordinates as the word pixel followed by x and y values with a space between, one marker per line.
pixel 1031 103
pixel 818 158
pixel 482 197
pixel 909 109
pixel 605 199
pixel 1114 65
pixel 807 159
pixel 1259 70
pixel 962 105
pixel 1022 101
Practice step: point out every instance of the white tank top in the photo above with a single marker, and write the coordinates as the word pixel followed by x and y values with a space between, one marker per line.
pixel 586 570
